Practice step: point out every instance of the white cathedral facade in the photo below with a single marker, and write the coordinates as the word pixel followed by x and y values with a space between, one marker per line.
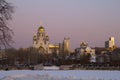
pixel 41 42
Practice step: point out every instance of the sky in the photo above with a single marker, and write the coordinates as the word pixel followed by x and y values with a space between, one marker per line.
pixel 93 21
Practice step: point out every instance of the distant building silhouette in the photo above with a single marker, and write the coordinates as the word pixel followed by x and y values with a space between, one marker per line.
pixel 61 48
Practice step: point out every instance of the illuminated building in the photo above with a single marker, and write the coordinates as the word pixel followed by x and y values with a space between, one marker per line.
pixel 66 45
pixel 110 43
pixel 41 42
pixel 85 49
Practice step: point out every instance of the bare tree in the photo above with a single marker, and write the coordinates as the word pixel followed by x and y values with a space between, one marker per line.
pixel 5 15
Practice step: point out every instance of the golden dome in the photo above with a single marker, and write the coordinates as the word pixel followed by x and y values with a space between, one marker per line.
pixel 41 29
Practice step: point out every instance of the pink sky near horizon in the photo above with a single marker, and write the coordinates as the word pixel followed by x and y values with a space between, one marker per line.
pixel 93 21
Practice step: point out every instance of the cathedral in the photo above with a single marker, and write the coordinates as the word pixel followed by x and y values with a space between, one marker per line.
pixel 41 42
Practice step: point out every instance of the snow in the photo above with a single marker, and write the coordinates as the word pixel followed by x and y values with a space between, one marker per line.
pixel 51 68
pixel 59 75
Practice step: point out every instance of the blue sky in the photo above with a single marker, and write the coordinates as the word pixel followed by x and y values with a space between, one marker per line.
pixel 93 21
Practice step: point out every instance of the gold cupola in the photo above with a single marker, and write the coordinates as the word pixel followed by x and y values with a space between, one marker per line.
pixel 41 29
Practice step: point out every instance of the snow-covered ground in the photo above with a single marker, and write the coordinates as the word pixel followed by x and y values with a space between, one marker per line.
pixel 59 75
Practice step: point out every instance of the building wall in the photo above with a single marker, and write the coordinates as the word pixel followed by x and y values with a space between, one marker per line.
pixel 66 45
pixel 110 43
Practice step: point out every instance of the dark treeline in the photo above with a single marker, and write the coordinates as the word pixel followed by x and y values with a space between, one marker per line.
pixel 31 56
